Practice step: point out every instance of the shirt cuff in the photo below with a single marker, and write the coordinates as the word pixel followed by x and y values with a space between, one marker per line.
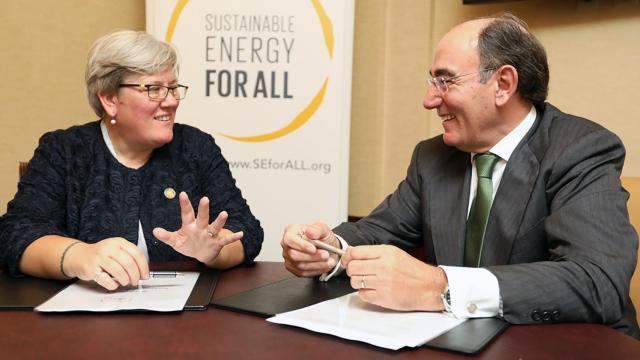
pixel 474 292
pixel 338 268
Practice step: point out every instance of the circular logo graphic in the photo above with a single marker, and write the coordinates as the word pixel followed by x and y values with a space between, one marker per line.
pixel 255 66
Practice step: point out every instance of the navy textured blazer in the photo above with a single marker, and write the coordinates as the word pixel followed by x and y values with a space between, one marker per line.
pixel 558 237
pixel 74 187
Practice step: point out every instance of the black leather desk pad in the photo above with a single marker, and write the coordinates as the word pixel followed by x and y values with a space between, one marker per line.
pixel 27 292
pixel 202 291
pixel 285 295
pixel 469 337
pixel 295 293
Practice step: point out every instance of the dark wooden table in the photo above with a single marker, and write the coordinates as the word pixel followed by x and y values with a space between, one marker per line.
pixel 221 334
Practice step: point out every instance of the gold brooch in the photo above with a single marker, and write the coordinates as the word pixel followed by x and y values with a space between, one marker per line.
pixel 169 193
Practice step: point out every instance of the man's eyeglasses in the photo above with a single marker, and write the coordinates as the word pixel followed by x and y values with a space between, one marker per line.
pixel 441 83
pixel 160 92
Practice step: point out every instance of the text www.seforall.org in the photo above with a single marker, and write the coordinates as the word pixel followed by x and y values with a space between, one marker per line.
pixel 288 165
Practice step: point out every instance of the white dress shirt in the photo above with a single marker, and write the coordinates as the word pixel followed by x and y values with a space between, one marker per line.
pixel 474 292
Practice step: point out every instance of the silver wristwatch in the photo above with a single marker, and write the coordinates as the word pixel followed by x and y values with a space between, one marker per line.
pixel 446 299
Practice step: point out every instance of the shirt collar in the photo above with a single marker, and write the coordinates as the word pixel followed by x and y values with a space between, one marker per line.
pixel 505 147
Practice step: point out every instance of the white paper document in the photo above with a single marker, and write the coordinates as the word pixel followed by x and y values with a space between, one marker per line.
pixel 351 318
pixel 163 291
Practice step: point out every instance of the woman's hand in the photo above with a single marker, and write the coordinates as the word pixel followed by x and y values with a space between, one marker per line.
pixel 111 263
pixel 197 238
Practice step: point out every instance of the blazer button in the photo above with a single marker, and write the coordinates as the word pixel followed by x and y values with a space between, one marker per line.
pixel 535 315
pixel 471 308
pixel 555 315
pixel 546 316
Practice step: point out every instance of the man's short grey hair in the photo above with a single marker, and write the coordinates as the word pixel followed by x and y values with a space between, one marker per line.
pixel 507 41
pixel 122 53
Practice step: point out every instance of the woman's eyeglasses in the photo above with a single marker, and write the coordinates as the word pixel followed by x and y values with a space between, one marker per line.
pixel 160 92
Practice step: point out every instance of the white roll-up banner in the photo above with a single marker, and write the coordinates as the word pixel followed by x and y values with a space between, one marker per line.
pixel 271 81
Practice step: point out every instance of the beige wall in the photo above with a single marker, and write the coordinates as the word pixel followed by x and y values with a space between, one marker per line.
pixel 593 55
pixel 390 57
pixel 44 50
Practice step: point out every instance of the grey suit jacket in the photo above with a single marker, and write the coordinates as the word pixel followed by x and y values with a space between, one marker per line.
pixel 558 237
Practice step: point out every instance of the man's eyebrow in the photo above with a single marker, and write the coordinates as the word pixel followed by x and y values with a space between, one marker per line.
pixel 442 72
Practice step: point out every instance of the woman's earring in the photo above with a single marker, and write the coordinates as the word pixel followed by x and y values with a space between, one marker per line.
pixel 113 121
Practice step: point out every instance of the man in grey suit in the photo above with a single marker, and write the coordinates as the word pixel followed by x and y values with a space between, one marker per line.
pixel 518 206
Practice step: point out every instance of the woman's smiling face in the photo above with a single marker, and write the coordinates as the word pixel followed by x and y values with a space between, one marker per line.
pixel 142 122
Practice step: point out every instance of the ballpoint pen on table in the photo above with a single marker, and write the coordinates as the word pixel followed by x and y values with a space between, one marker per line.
pixel 163 274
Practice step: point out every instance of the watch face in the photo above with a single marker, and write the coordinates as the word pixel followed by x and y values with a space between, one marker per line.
pixel 446 300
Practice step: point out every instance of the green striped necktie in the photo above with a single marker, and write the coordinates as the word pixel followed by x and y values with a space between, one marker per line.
pixel 477 221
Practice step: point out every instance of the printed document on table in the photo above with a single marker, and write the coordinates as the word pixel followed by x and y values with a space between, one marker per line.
pixel 163 291
pixel 351 318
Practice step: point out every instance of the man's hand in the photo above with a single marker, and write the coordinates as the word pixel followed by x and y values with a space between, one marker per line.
pixel 389 277
pixel 300 256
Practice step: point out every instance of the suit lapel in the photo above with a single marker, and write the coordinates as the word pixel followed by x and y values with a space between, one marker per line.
pixel 509 205
pixel 448 197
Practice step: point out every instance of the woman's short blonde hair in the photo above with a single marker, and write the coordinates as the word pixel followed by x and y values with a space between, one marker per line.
pixel 122 53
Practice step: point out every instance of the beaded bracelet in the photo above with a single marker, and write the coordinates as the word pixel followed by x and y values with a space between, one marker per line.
pixel 64 253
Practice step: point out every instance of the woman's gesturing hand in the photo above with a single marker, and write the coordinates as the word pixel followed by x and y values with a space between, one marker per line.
pixel 197 238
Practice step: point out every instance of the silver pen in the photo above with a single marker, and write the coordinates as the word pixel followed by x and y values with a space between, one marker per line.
pixel 323 245
pixel 163 274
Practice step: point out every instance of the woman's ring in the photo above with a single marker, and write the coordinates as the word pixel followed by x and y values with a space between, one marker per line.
pixel 95 279
pixel 362 283
pixel 210 233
